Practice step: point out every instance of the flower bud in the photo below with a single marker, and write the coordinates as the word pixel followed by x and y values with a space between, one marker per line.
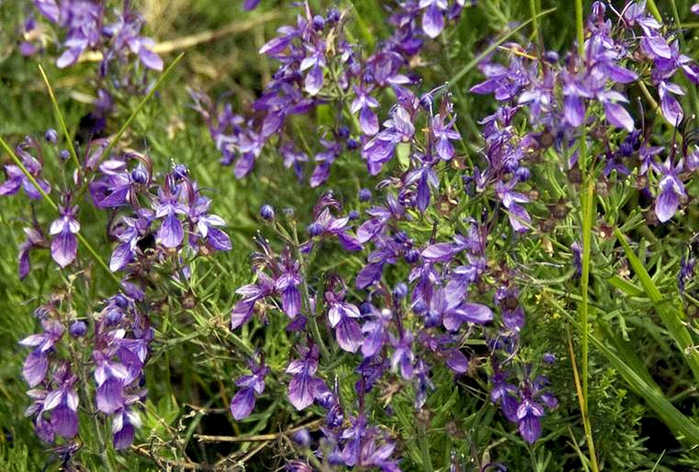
pixel 302 437
pixel 139 175
pixel 314 229
pixel 51 136
pixel 318 22
pixel 400 291
pixel 364 195
pixel 180 171
pixel 412 256
pixel 523 174
pixel 77 329
pixel 267 212
pixel 333 15
pixel 64 155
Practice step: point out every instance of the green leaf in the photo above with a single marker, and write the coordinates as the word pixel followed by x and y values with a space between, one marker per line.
pixel 670 315
pixel 672 417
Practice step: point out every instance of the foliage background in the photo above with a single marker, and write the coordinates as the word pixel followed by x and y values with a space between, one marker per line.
pixel 195 358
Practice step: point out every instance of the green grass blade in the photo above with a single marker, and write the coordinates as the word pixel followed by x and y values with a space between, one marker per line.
pixel 468 67
pixel 61 120
pixel 672 417
pixel 670 315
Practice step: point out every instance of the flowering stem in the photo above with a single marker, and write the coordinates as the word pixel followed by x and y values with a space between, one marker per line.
pixel 312 307
pixel 53 205
pixel 487 51
pixel 140 106
pixel 61 120
pixel 579 24
pixel 692 89
pixel 535 22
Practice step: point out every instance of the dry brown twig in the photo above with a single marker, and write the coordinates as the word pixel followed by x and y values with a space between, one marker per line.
pixel 186 42
pixel 258 437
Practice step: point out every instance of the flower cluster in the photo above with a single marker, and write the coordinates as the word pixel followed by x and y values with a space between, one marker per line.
pixel 395 336
pixel 57 365
pixel 158 223
pixel 320 66
pixel 561 98
pixel 85 26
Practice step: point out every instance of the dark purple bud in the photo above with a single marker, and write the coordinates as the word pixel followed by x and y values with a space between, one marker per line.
pixel 549 358
pixel 352 144
pixel 51 136
pixel 333 15
pixel 318 22
pixel 412 256
pixel 551 57
pixel 180 171
pixel 64 155
pixel 626 149
pixel 139 175
pixel 267 212
pixel 400 291
pixel 365 308
pixel 419 308
pixel 523 174
pixel 314 229
pixel 343 132
pixel 302 437
pixel 113 316
pixel 353 215
pixel 77 329
pixel 120 301
pixel 401 237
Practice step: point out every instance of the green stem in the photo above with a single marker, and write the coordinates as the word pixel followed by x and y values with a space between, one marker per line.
pixel 535 22
pixel 692 89
pixel 307 295
pixel 580 26
pixel 61 120
pixel 588 214
pixel 53 205
pixel 140 107
pixel 424 442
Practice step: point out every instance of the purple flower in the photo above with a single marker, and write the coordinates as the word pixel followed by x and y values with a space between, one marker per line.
pixel 304 387
pixel 16 178
pixel 444 133
pixel 343 318
pixel 34 239
pixel 171 233
pixel 528 416
pixel 287 286
pixel 363 103
pixel 63 404
pixel 37 363
pixel 519 218
pixel 433 18
pixel 64 246
pixel 111 378
pixel 403 356
pixel 129 233
pixel 251 293
pixel 251 386
pixel 124 424
pixel 125 34
pixel 376 332
pixel 670 190
pixel 316 63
